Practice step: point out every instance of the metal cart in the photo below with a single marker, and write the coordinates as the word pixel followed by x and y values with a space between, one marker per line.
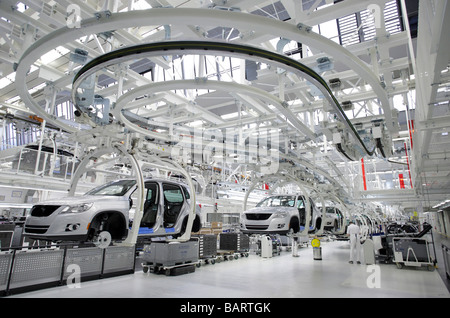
pixel 233 246
pixel 207 248
pixel 171 258
pixel 411 251
pixel 226 255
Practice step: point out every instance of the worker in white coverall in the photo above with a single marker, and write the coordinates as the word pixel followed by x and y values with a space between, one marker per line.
pixel 355 244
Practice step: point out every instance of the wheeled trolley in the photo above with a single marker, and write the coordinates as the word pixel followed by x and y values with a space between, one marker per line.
pixel 232 246
pixel 171 258
pixel 174 270
pixel 410 251
pixel 238 242
pixel 207 245
pixel 228 255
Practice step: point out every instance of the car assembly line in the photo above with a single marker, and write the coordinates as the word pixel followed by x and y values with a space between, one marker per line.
pixel 244 149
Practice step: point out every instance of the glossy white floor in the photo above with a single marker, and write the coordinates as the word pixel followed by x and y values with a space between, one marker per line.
pixel 282 276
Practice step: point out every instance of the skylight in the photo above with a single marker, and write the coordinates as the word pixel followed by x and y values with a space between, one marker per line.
pixel 5 81
pixel 359 27
pixel 54 54
pixel 141 5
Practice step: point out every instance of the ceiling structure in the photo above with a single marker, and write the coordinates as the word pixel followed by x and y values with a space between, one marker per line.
pixel 362 111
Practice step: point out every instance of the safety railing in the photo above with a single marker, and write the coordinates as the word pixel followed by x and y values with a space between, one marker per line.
pixel 24 269
pixel 43 162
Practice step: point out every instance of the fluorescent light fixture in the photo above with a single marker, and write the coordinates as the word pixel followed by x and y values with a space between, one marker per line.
pixel 16 205
pixel 443 204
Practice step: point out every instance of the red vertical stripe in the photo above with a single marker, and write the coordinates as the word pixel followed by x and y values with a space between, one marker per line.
pixel 402 181
pixel 363 174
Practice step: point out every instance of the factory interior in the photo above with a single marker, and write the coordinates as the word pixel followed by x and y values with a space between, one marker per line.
pixel 224 154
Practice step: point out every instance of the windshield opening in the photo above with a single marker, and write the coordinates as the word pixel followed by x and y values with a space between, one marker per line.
pixel 116 188
pixel 281 200
pixel 330 210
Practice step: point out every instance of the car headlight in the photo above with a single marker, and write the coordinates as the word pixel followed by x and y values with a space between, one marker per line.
pixel 280 215
pixel 79 208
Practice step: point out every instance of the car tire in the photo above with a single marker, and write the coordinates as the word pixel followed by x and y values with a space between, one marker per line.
pixel 294 225
pixel 111 222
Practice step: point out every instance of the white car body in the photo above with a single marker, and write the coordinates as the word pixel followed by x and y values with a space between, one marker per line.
pixel 334 219
pixel 107 208
pixel 279 214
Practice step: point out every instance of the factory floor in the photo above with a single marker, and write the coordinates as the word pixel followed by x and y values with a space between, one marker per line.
pixel 282 276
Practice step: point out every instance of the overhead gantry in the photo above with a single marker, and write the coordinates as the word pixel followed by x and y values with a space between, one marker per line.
pixel 103 22
pixel 119 109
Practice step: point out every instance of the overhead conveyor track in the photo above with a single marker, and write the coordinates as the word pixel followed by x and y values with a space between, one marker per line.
pixel 169 112
pixel 200 17
pixel 214 48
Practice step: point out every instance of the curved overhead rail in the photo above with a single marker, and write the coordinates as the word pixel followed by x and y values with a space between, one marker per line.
pixel 188 16
pixel 214 48
pixel 124 100
pixel 339 148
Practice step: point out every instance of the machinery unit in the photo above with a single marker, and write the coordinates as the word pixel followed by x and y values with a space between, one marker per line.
pixel 446 254
pixel 405 245
pixel 368 248
pixel 411 251
pixel 171 258
pixel 266 246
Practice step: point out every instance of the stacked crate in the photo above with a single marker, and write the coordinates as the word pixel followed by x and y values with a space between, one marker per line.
pixel 207 245
pixel 238 242
pixel 215 228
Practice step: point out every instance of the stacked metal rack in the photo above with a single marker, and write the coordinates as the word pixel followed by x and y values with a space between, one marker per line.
pixel 171 258
pixel 207 248
pixel 233 245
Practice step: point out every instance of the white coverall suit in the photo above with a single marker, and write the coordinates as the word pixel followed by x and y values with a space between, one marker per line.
pixel 355 244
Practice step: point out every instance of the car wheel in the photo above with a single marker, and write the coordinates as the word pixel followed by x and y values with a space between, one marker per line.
pixel 103 239
pixel 111 222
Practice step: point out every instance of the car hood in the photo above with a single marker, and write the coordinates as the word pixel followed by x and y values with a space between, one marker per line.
pixel 81 199
pixel 270 209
